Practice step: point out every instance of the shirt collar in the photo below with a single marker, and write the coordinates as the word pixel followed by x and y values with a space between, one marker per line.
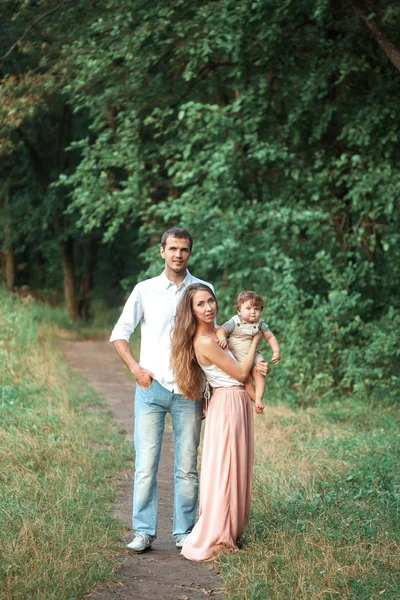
pixel 166 283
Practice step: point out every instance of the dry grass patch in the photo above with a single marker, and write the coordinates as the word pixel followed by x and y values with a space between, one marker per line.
pixel 282 453
pixel 56 534
pixel 325 518
pixel 297 567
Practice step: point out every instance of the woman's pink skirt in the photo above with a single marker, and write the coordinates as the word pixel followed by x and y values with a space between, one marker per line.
pixel 226 474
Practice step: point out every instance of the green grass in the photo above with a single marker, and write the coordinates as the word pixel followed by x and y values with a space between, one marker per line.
pixel 60 453
pixel 325 510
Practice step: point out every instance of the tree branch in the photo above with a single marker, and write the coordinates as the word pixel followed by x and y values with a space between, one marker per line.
pixel 35 22
pixel 391 51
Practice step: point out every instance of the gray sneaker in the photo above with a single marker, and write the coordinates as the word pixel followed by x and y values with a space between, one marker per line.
pixel 141 542
pixel 181 541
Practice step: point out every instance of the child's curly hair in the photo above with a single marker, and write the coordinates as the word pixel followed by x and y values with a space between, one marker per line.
pixel 255 298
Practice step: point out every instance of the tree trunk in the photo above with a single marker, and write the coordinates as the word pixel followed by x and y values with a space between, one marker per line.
pixel 67 260
pixel 86 288
pixel 10 269
pixel 8 251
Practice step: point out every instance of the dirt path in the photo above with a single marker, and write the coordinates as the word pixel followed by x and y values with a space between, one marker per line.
pixel 161 573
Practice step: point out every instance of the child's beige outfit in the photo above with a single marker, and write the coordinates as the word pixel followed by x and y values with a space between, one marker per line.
pixel 241 335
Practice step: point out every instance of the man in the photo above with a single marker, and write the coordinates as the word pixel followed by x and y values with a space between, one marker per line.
pixel 152 304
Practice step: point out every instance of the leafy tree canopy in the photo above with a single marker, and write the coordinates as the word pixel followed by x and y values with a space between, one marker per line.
pixel 268 129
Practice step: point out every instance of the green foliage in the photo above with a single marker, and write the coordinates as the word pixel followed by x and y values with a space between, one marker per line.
pixel 270 131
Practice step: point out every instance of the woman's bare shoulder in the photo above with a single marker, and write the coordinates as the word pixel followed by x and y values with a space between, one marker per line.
pixel 204 341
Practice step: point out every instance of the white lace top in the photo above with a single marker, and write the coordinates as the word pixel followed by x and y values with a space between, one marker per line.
pixel 215 376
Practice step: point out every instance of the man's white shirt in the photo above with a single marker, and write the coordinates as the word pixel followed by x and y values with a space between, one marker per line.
pixel 152 304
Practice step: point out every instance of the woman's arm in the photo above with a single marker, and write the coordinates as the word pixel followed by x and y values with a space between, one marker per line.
pixel 209 351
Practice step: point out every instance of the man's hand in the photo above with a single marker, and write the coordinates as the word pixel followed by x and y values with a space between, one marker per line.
pixel 262 367
pixel 143 377
pixel 276 357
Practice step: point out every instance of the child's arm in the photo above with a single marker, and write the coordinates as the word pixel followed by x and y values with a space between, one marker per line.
pixel 222 334
pixel 273 342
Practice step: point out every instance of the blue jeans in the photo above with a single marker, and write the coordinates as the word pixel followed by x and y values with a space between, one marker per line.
pixel 151 406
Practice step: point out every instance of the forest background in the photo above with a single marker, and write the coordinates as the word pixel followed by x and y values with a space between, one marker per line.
pixel 269 129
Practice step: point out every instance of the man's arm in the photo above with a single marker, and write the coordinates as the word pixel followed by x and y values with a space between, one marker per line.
pixel 142 376
pixel 131 316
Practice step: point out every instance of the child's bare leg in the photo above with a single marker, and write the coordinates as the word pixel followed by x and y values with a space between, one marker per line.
pixel 249 387
pixel 259 381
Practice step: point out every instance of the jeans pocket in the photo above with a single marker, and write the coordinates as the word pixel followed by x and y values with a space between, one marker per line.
pixel 145 388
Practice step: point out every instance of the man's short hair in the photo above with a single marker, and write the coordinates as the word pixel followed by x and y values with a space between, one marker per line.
pixel 179 233
pixel 254 298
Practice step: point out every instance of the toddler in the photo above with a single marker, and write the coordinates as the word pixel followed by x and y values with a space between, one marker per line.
pixel 240 329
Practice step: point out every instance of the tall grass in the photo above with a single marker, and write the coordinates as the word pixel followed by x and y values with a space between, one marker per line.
pixel 325 511
pixel 57 463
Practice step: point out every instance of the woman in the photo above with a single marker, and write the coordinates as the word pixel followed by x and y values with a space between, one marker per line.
pixel 227 461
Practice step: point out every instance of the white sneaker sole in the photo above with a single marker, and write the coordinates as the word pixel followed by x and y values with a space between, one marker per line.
pixel 139 551
pixel 128 546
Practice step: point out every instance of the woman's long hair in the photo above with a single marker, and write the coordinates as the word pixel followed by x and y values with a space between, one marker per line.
pixel 187 372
